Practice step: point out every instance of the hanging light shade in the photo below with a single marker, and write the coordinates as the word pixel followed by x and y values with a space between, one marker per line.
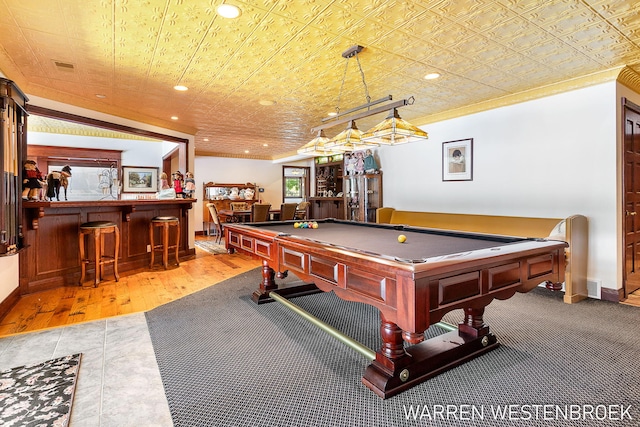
pixel 349 139
pixel 393 131
pixel 316 147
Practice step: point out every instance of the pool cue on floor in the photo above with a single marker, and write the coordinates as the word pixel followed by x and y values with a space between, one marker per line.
pixel 350 342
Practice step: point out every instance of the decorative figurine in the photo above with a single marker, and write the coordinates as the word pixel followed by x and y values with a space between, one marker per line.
pixel 359 162
pixel 350 161
pixel 164 181
pixel 235 194
pixel 370 164
pixel 31 180
pixel 57 179
pixel 177 184
pixel 189 186
pixel 249 193
pixel 166 191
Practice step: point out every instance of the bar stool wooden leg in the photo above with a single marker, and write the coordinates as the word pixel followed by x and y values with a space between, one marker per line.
pixel 165 245
pixel 116 253
pixel 177 243
pixel 152 244
pixel 83 265
pixel 98 248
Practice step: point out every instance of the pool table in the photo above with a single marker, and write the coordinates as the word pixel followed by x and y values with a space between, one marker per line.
pixel 413 284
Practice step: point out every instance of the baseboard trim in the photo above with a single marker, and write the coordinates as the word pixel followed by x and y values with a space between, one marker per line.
pixel 613 295
pixel 9 302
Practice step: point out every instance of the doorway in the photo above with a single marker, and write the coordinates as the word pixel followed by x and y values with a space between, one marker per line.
pixel 631 194
pixel 295 184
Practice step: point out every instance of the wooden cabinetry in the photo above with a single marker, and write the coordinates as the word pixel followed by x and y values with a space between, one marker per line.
pixel 13 143
pixel 329 197
pixel 362 196
pixel 50 258
pixel 220 195
pixel 329 171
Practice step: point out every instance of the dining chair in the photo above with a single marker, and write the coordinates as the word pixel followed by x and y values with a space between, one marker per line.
pixel 216 221
pixel 288 211
pixel 260 212
pixel 239 206
pixel 301 210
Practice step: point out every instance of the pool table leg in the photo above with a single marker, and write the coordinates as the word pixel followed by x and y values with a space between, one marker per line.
pixel 268 284
pixel 397 368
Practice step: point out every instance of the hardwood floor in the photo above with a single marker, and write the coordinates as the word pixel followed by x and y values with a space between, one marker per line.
pixel 134 293
pixel 633 299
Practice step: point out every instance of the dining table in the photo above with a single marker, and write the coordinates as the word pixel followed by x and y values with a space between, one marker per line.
pixel 244 215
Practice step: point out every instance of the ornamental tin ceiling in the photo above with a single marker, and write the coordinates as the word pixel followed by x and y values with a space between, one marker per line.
pixel 288 52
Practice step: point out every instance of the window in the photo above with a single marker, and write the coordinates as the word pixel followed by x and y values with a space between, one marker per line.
pixel 295 184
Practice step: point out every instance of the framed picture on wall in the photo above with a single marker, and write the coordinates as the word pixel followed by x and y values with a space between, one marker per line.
pixel 139 179
pixel 457 160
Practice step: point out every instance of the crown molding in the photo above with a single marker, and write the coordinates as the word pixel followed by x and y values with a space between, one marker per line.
pixel 528 95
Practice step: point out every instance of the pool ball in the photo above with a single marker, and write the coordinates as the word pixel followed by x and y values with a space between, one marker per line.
pixel 402 238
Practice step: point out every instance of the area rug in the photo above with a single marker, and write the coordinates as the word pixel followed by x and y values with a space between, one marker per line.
pixel 225 361
pixel 211 246
pixel 39 394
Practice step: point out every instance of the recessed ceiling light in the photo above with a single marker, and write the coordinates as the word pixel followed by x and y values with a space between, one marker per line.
pixel 265 145
pixel 180 88
pixel 432 76
pixel 100 95
pixel 206 139
pixel 267 102
pixel 228 11
pixel 332 113
pixel 174 117
pixel 246 151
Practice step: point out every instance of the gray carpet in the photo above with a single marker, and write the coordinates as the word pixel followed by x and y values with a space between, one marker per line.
pixel 225 361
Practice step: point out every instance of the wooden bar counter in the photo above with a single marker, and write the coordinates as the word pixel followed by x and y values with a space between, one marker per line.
pixel 51 257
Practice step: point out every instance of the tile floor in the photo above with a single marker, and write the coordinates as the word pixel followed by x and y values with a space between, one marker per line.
pixel 118 384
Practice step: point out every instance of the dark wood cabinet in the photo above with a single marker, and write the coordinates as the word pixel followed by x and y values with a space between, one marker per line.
pixel 362 196
pixel 329 172
pixel 326 207
pixel 220 195
pixel 13 143
pixel 329 197
pixel 340 195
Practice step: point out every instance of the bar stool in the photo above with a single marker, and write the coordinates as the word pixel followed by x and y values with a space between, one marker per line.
pixel 165 222
pixel 97 230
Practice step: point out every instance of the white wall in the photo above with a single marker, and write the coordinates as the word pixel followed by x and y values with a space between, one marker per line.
pixel 265 173
pixel 551 157
pixel 9 266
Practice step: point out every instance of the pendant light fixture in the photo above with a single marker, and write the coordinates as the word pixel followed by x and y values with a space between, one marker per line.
pixel 392 131
pixel 316 147
pixel 347 140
